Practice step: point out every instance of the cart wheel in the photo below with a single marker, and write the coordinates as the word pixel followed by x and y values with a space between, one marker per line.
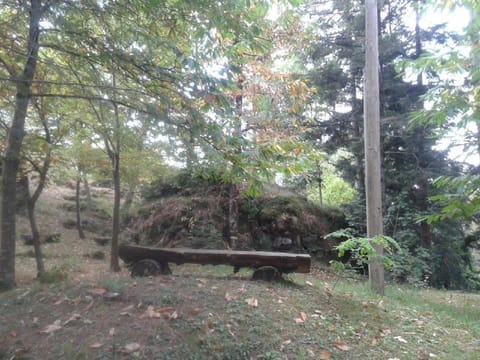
pixel 267 273
pixel 149 267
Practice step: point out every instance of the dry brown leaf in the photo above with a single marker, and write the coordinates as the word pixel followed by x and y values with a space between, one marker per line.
pixel 193 311
pixel 111 295
pixel 252 302
pixel 49 329
pixel 229 297
pixel 310 353
pixel 173 315
pixel 341 346
pixel 150 313
pixel 89 306
pixel 207 326
pixel 302 318
pixel 72 318
pixel 63 299
pixel 96 345
pixel 98 290
pixel 128 308
pixel 331 327
pixel 130 348
pixel 386 332
pixel 165 309
pixel 324 355
pixel 285 343
pixel 400 339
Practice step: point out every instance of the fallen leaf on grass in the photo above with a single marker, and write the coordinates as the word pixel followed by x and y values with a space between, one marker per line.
pixel 341 346
pixel 58 302
pixel 401 339
pixel 173 315
pixel 98 290
pixel 310 353
pixel 165 309
pixel 207 326
pixel 302 318
pixel 72 318
pixel 229 297
pixel 96 345
pixel 111 295
pixel 331 327
pixel 49 329
pixel 252 302
pixel 193 312
pixel 151 313
pixel 308 283
pixel 127 308
pixel 130 348
pixel 385 332
pixel 324 355
pixel 285 343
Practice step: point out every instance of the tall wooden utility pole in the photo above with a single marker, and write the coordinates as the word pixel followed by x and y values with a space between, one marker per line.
pixel 373 186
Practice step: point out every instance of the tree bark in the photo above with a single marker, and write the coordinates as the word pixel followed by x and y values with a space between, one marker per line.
pixel 31 202
pixel 114 260
pixel 12 151
pixel 372 145
pixel 88 193
pixel 78 211
pixel 114 154
pixel 127 203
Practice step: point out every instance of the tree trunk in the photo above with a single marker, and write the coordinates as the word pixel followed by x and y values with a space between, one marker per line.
pixel 127 203
pixel 81 234
pixel 88 193
pixel 35 232
pixel 230 221
pixel 114 154
pixel 372 145
pixel 114 263
pixel 12 151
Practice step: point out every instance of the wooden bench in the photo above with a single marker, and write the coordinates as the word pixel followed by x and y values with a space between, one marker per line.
pixel 146 261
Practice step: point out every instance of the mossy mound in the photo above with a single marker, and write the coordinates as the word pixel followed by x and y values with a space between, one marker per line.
pixel 276 221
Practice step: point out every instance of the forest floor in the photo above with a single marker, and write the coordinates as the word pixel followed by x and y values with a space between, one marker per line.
pixel 207 312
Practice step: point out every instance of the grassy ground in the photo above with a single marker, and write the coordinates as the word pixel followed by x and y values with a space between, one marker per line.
pixel 209 313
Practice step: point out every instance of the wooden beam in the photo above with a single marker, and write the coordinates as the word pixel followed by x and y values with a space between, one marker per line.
pixel 284 262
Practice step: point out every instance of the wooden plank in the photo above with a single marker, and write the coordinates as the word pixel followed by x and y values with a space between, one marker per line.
pixel 284 262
